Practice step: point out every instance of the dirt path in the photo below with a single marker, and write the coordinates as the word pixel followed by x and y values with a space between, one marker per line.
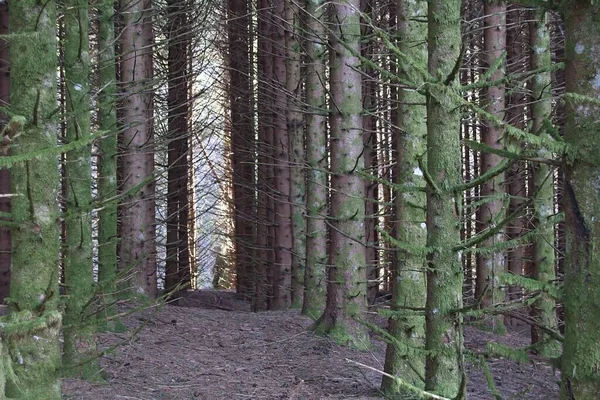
pixel 213 353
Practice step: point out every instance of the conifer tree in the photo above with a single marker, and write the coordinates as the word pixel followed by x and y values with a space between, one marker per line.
pixel 444 341
pixel 35 212
pixel 346 286
pixel 403 358
pixel 79 334
pixel 581 357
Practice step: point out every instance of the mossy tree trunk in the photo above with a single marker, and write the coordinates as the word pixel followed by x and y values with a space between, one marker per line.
pixel 444 340
pixel 79 322
pixel 5 238
pixel 35 212
pixel 544 310
pixel 490 261
pixel 295 123
pixel 405 358
pixel 581 356
pixel 138 235
pixel 346 286
pixel 316 158
pixel 107 167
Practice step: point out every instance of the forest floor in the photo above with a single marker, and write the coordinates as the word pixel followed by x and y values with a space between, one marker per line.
pixel 212 347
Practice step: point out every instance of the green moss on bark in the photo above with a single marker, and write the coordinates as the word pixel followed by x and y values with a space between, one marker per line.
pixel 444 341
pixel 34 281
pixel 408 275
pixel 581 354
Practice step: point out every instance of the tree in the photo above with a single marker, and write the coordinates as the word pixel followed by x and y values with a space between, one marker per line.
pixel 282 269
pixel 316 160
pixel 35 213
pixel 444 362
pixel 107 166
pixel 295 124
pixel 490 261
pixel 346 286
pixel 403 356
pixel 137 247
pixel 544 310
pixel 177 261
pixel 79 333
pixel 5 239
pixel 580 359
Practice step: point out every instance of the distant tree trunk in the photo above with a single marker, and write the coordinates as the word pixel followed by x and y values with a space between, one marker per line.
pixel 137 249
pixel 5 239
pixel 35 213
pixel 265 132
pixel 80 328
pixel 490 264
pixel 444 340
pixel 408 274
pixel 581 358
pixel 316 158
pixel 370 157
pixel 178 112
pixel 240 97
pixel 346 286
pixel 516 114
pixel 282 270
pixel 544 310
pixel 295 124
pixel 107 167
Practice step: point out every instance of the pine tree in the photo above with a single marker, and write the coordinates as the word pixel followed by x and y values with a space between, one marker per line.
pixel 346 286
pixel 137 247
pixel 403 359
pixel 581 357
pixel 444 341
pixel 79 334
pixel 35 213
pixel 316 159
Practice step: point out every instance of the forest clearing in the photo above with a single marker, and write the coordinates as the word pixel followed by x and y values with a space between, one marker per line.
pixel 201 352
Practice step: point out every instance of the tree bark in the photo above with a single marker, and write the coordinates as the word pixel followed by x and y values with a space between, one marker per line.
pixel 581 358
pixel 346 286
pixel 490 263
pixel 316 158
pixel 444 369
pixel 5 238
pixel 283 241
pixel 80 327
pixel 35 211
pixel 544 310
pixel 295 124
pixel 137 247
pixel 403 359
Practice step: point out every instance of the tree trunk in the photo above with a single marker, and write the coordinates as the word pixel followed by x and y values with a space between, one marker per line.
pixel 295 124
pixel 265 133
pixel 177 105
pixel 370 157
pixel 5 239
pixel 490 264
pixel 137 250
pixel 444 340
pixel 282 270
pixel 581 358
pixel 316 156
pixel 346 287
pixel 408 274
pixel 80 328
pixel 107 168
pixel 35 211
pixel 544 310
